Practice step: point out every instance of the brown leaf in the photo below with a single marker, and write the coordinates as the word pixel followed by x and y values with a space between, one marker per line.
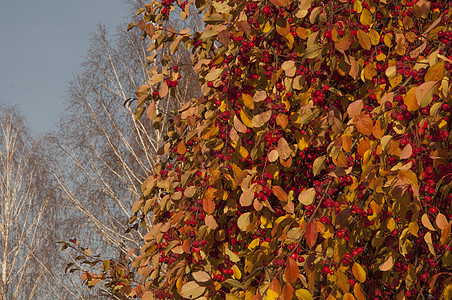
pixel 224 37
pixel 307 197
pixel 163 91
pixel 283 148
pixel 273 155
pixel 181 148
pixel 354 70
pixel 387 265
pixel 150 111
pixel 364 124
pixel 291 272
pixel 210 222
pixel 261 119
pixel 424 93
pixel 406 152
pixel 238 125
pixel 247 197
pixel 260 96
pixel 416 52
pixel 244 26
pixel 279 193
pixel 429 242
pixel 355 108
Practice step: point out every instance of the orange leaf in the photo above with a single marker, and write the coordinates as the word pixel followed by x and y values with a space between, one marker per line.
pixel 364 124
pixel 426 222
pixel 358 292
pixel 441 221
pixel 428 240
pixel 348 296
pixel 282 120
pixel 445 233
pixel 311 234
pixel 280 193
pixel 248 101
pixel 181 148
pixel 291 272
pixel 208 205
pixel 274 289
pixel 410 100
pixel 287 292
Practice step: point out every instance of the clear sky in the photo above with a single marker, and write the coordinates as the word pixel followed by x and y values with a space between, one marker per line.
pixel 42 44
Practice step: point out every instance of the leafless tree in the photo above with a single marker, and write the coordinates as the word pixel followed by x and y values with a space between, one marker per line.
pixel 101 154
pixel 23 207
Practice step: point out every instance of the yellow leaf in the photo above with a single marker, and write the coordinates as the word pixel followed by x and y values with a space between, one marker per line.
pixel 303 294
pixel 388 40
pixel 342 281
pixel 243 152
pixel 375 38
pixel 435 72
pixel 248 101
pixel 359 272
pixel 424 93
pixel 366 17
pixel 364 39
pixel 245 119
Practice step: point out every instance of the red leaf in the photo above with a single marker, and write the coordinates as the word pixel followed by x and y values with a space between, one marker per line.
pixel 311 234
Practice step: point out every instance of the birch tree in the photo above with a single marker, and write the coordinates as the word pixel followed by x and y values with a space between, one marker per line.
pixel 22 209
pixel 103 153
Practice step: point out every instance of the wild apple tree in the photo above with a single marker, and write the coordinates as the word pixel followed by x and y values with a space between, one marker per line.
pixel 315 165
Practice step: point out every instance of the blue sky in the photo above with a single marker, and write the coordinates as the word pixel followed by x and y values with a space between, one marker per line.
pixel 42 44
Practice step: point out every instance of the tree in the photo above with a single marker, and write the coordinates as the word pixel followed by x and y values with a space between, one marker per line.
pixel 101 153
pixel 315 164
pixel 23 208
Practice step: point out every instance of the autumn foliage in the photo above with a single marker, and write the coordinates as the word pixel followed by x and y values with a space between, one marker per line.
pixel 317 162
